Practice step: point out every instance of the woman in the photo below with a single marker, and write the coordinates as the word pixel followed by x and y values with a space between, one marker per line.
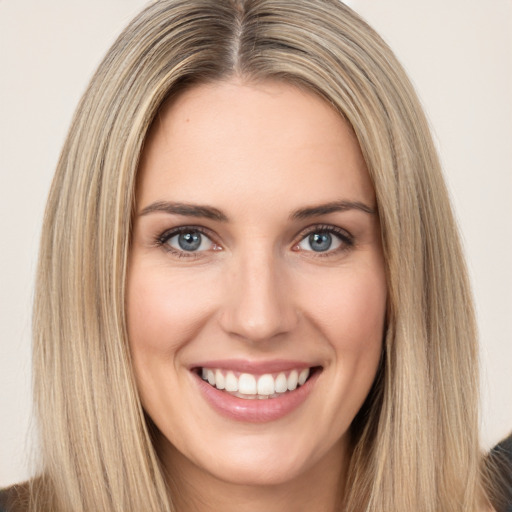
pixel 250 190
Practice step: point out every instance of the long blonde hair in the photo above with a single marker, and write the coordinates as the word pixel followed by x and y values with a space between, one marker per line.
pixel 415 442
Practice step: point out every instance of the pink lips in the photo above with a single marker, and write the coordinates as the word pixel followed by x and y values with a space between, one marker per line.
pixel 255 411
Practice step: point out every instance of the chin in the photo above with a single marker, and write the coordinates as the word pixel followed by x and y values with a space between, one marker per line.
pixel 260 460
pixel 262 470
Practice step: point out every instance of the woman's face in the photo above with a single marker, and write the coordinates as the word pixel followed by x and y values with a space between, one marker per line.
pixel 256 287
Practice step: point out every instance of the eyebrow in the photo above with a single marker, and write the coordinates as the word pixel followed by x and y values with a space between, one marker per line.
pixel 332 207
pixel 189 210
pixel 209 212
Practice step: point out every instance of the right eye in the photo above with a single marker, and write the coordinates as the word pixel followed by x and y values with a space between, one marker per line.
pixel 185 241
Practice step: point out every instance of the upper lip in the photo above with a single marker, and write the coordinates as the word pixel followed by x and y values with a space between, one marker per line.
pixel 254 367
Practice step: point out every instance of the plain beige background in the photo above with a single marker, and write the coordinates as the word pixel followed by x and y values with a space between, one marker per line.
pixel 459 55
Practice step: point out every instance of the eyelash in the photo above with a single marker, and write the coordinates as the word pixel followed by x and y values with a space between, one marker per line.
pixel 170 233
pixel 346 239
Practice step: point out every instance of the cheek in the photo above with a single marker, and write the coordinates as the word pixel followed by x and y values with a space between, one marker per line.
pixel 351 316
pixel 350 309
pixel 164 311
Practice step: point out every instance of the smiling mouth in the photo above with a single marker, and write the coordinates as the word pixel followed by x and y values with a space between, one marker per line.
pixel 256 387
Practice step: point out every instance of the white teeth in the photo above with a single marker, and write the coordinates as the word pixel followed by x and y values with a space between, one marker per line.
pixel 266 385
pixel 293 380
pixel 231 382
pixel 220 381
pixel 281 383
pixel 247 384
pixel 303 376
pixel 250 386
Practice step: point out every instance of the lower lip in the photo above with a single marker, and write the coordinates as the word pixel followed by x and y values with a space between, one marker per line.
pixel 256 410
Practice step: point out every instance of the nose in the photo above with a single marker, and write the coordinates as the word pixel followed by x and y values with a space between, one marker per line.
pixel 258 305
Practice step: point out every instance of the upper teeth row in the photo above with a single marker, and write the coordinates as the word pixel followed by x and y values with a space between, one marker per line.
pixel 248 384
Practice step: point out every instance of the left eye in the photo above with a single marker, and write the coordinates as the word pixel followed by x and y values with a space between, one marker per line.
pixel 320 241
pixel 190 240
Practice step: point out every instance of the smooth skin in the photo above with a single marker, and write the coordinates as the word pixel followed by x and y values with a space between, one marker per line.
pixel 258 282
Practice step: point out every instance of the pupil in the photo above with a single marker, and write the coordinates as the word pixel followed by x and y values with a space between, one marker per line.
pixel 320 241
pixel 189 241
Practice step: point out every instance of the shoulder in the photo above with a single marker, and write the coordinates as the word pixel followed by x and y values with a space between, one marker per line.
pixel 499 466
pixel 14 498
pixel 504 450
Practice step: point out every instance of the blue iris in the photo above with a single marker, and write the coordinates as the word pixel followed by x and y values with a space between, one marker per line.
pixel 320 242
pixel 190 241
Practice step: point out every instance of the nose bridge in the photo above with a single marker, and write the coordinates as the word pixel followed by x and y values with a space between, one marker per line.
pixel 258 306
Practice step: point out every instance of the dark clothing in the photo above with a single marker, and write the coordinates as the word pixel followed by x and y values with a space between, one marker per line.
pixel 14 499
pixel 499 465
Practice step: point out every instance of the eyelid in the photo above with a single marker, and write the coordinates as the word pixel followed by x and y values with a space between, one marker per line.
pixel 347 240
pixel 169 233
pixel 163 238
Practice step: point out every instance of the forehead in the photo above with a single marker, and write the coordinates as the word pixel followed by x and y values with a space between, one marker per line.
pixel 269 141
